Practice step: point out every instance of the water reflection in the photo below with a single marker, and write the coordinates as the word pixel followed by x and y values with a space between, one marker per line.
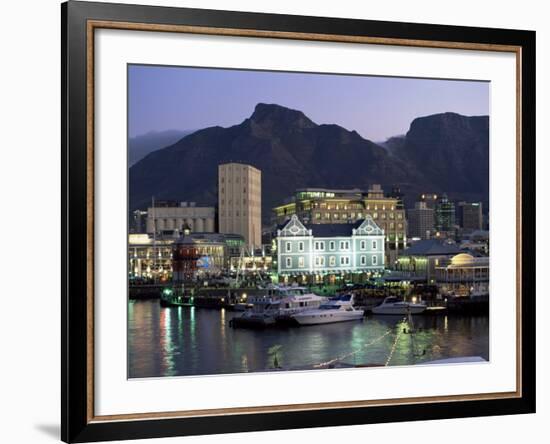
pixel 191 341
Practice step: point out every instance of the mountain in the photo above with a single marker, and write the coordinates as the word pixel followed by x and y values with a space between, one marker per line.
pixel 451 151
pixel 140 146
pixel 294 152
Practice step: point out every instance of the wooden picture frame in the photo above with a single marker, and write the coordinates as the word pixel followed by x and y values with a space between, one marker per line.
pixel 79 22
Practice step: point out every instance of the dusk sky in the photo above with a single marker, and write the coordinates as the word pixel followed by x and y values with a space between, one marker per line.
pixel 163 98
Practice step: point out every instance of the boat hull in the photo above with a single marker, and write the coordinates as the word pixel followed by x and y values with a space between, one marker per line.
pixel 398 310
pixel 252 321
pixel 328 318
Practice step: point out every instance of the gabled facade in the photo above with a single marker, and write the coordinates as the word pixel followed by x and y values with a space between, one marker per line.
pixel 329 248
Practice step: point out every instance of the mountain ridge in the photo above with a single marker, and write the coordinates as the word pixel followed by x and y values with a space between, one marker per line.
pixel 294 152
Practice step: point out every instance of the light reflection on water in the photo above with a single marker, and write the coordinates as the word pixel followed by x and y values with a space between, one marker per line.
pixel 189 341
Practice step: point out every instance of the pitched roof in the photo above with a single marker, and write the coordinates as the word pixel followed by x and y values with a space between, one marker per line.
pixel 431 247
pixel 332 230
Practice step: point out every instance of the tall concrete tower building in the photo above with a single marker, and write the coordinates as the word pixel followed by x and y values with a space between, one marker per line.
pixel 240 201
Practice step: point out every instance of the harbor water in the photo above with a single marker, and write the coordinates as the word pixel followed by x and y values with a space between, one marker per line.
pixel 178 341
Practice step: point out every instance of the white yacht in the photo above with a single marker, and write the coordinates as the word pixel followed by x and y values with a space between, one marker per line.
pixel 338 309
pixel 395 306
pixel 277 305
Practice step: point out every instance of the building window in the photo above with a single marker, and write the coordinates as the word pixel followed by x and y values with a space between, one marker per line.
pixel 363 245
pixel 332 261
pixel 288 247
pixel 374 246
pixel 288 262
pixel 374 260
pixel 363 260
pixel 335 216
pixel 317 215
pixel 344 260
pixel 319 246
pixel 300 246
pixel 301 261
pixel 332 245
pixel 320 261
pixel 344 245
pixel 375 215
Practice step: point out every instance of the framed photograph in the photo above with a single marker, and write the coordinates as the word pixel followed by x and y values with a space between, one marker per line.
pixel 276 221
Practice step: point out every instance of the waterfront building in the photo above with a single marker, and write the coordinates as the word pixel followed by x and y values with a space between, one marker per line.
pixel 422 258
pixel 463 275
pixel 333 206
pixel 197 255
pixel 420 221
pixel 445 215
pixel 470 215
pixel 150 257
pixel 320 249
pixel 172 215
pixel 240 201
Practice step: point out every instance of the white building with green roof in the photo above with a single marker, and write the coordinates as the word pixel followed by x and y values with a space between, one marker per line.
pixel 329 248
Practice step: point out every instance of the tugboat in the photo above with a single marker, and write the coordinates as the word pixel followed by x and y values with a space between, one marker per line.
pixel 176 298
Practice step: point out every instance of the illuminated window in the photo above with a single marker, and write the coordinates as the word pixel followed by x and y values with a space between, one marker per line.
pixel 288 262
pixel 335 216
pixel 332 261
pixel 375 215
pixel 301 261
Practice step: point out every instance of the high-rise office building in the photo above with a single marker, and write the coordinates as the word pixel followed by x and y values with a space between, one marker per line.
pixel 445 215
pixel 240 201
pixel 470 215
pixel 430 199
pixel 421 221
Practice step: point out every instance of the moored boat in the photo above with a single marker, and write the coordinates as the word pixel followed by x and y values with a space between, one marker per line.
pixel 394 306
pixel 337 309
pixel 279 304
pixel 174 297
